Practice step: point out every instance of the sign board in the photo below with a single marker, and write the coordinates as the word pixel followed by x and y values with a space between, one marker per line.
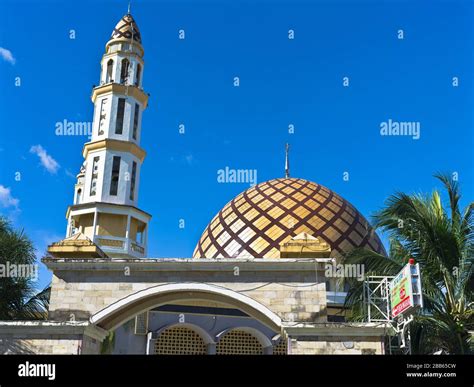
pixel 405 290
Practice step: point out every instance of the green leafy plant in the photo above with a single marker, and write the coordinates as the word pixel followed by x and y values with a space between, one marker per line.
pixel 441 240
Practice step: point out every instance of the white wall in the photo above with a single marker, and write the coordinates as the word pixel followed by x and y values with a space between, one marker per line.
pixel 110 119
pixel 105 174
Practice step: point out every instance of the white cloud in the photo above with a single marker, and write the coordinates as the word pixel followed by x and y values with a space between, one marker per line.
pixel 7 55
pixel 6 198
pixel 47 161
pixel 70 174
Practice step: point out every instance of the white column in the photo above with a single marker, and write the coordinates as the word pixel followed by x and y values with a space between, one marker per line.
pixel 127 234
pixel 145 239
pixel 94 225
pixel 150 343
pixel 268 350
pixel 68 228
pixel 211 349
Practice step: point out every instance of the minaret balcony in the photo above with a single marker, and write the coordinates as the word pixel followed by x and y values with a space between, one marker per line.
pixel 115 246
pixel 119 230
pixel 110 82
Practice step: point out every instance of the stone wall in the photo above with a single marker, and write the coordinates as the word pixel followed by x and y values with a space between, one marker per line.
pixel 295 291
pixel 46 345
pixel 294 296
pixel 45 337
pixel 340 345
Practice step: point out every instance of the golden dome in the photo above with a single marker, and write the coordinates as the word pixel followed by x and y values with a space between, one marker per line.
pixel 259 220
pixel 127 28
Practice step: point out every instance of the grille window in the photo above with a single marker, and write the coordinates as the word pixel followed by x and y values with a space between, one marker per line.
pixel 141 324
pixel 237 342
pixel 179 341
pixel 281 348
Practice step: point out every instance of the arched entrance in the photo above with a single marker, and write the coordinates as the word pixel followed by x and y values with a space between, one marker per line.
pixel 124 309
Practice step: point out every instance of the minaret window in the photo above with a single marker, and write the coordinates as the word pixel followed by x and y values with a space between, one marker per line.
pixel 132 181
pixel 95 173
pixel 124 71
pixel 78 196
pixel 110 67
pixel 135 120
pixel 120 113
pixel 139 73
pixel 103 116
pixel 115 176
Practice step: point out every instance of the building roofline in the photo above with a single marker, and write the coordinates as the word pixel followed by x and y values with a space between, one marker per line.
pixel 186 264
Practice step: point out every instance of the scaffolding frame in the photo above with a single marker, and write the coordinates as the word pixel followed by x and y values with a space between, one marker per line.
pixel 376 298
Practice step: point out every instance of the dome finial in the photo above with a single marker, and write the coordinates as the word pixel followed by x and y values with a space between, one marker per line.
pixel 287 160
pixel 129 6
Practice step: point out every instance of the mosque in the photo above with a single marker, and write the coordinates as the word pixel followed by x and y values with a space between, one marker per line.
pixel 255 284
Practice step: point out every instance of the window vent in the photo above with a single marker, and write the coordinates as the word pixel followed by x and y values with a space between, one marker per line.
pixel 141 324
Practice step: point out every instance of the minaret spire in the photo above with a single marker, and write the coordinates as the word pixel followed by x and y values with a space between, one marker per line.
pixel 287 160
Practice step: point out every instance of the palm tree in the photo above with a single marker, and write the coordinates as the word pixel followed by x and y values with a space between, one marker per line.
pixel 441 240
pixel 19 299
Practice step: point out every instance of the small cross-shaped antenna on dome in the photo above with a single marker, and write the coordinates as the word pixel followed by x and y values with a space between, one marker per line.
pixel 287 161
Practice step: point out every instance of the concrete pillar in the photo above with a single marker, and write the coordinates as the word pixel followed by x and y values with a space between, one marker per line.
pixel 150 344
pixel 127 234
pixel 268 350
pixel 68 228
pixel 94 225
pixel 211 349
pixel 145 240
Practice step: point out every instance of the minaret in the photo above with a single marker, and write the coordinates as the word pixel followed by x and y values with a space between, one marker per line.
pixel 106 194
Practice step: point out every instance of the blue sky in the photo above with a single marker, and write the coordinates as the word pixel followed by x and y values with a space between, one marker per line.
pixel 282 82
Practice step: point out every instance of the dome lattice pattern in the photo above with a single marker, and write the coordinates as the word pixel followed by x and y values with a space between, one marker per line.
pixel 127 28
pixel 260 219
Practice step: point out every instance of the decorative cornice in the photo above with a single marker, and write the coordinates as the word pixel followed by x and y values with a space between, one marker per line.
pixel 126 90
pixel 124 40
pixel 186 264
pixel 117 145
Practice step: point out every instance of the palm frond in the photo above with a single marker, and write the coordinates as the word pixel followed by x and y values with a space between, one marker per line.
pixel 442 242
